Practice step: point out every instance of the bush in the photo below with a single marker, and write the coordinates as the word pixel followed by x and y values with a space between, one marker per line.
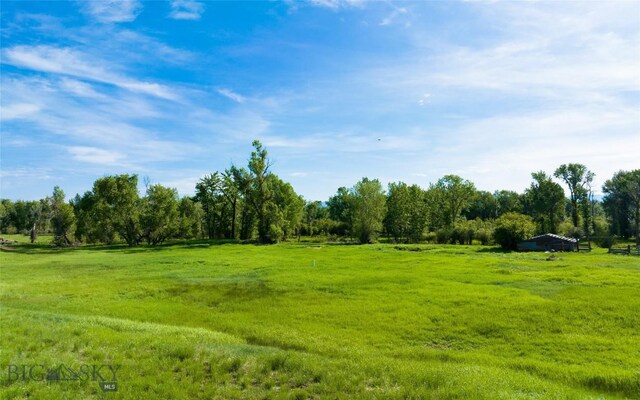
pixel 443 236
pixel 605 241
pixel 430 237
pixel 567 229
pixel 512 228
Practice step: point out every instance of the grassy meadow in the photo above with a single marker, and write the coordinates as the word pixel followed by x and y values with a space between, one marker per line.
pixel 311 320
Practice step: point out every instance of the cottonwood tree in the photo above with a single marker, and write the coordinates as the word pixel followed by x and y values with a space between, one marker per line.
pixel 546 201
pixel 62 217
pixel 508 201
pixel 190 215
pixel 312 210
pixel 407 215
pixel 286 211
pixel 277 208
pixel 260 194
pixel 159 217
pixel 483 205
pixel 340 208
pixel 369 208
pixel 449 196
pixel 622 203
pixel 242 180
pixel 208 195
pixel 578 180
pixel 117 207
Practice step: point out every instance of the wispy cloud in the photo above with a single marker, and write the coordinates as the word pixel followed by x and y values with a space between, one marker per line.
pixel 112 10
pixel 392 17
pixel 18 110
pixel 79 88
pixel 71 62
pixel 230 94
pixel 337 4
pixel 94 155
pixel 114 130
pixel 186 9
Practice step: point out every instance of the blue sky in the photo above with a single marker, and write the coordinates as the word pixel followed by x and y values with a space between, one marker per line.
pixel 336 90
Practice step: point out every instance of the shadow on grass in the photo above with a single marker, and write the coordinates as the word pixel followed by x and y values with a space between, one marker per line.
pixel 42 248
pixel 494 250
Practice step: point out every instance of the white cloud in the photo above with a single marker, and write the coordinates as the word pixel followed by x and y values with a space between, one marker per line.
pixel 27 173
pixel 113 130
pixel 186 9
pixel 79 88
pixel 112 10
pixel 95 155
pixel 18 111
pixel 184 186
pixel 230 94
pixel 392 17
pixel 336 4
pixel 71 62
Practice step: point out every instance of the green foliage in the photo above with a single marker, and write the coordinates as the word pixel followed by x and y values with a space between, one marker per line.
pixel 566 228
pixel 407 212
pixel 117 208
pixel 512 228
pixel 340 206
pixel 578 180
pixel 190 215
pixel 314 214
pixel 483 205
pixel 545 202
pixel 448 198
pixel 62 218
pixel 508 201
pixel 622 203
pixel 369 208
pixel 159 217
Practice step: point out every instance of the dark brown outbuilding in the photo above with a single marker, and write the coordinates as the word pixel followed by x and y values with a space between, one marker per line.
pixel 548 242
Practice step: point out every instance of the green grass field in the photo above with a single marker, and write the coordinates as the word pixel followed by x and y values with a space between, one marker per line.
pixel 297 321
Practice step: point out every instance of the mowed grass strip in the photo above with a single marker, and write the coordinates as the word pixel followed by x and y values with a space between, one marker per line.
pixel 305 320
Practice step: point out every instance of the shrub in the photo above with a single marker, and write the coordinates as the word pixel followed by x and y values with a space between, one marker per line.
pixel 430 237
pixel 512 228
pixel 443 236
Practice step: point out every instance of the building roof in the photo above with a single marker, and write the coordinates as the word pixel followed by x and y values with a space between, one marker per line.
pixel 554 236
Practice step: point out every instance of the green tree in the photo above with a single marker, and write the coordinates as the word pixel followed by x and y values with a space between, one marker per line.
pixel 117 207
pixel 313 211
pixel 483 205
pixel 208 194
pixel 62 217
pixel 369 208
pixel 260 195
pixel 578 180
pixel 7 211
pixel 286 211
pixel 190 215
pixel 242 180
pixel 508 201
pixel 407 215
pixel 622 203
pixel 160 217
pixel 449 197
pixel 512 228
pixel 546 202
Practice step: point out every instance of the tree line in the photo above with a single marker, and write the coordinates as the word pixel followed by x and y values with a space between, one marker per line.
pixel 253 203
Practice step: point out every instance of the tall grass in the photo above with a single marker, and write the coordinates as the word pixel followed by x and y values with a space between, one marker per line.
pixel 208 320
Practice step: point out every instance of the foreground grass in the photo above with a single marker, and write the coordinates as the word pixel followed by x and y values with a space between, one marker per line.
pixel 202 320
